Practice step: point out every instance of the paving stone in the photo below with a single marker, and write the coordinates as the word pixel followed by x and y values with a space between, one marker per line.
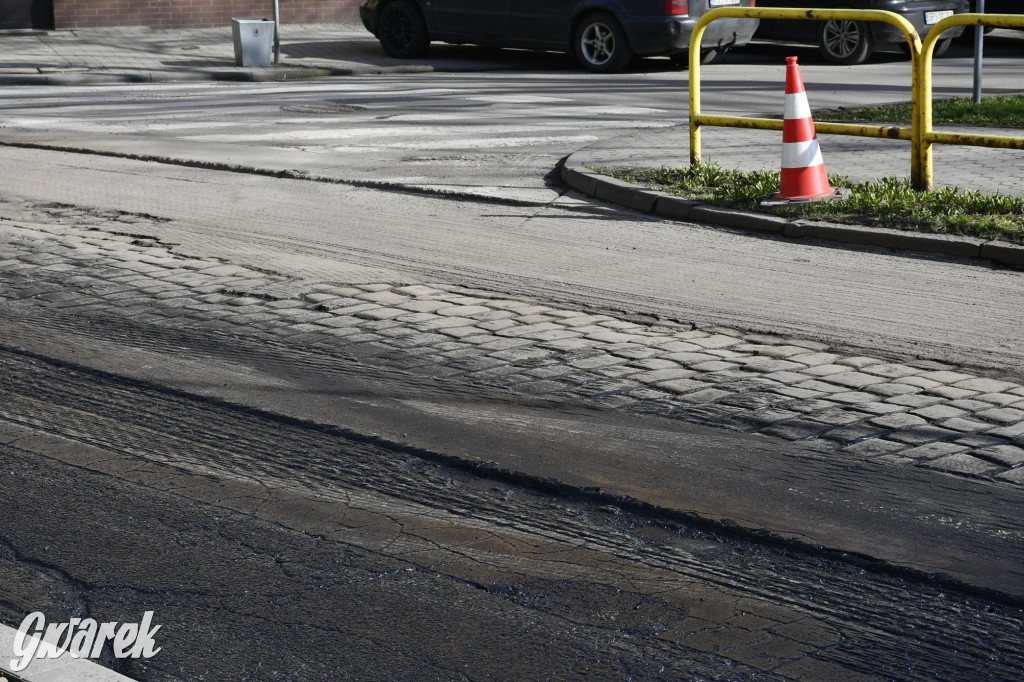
pixel 913 401
pixel 1007 455
pixel 852 397
pixel 1002 415
pixel 813 359
pixel 584 320
pixel 714 366
pixel 374 287
pixel 764 417
pixel 496 325
pixel 782 351
pixel 462 310
pixel 417 290
pixel 676 346
pixel 754 400
pixel 1000 399
pixel 421 306
pixel 460 332
pixel 947 377
pixel 854 432
pixel 852 380
pixel 597 361
pixel 445 322
pixel 611 337
pixel 535 319
pixel 682 385
pixel 1017 391
pixel 812 405
pixel 918 435
pixel 521 354
pixel 612 323
pixel 822 387
pixel 797 393
pixel 879 408
pixel 834 416
pixel 898 421
pixel 859 361
pixel 964 464
pixel 950 392
pixel 504 343
pixel 786 377
pixel 965 425
pixel 528 329
pixel 918 381
pixel 707 395
pixel 891 370
pixel 346 310
pixel 797 429
pixel 893 459
pixel 983 385
pixel 890 389
pixel 1013 476
pixel 716 341
pixel 933 450
pixel 824 370
pixel 770 365
pixel 1010 431
pixel 689 359
pixel 657 375
pixel 876 447
pixel 380 313
pixel 634 353
pixel 569 345
pixel 978 441
pixel 654 363
pixel 650 394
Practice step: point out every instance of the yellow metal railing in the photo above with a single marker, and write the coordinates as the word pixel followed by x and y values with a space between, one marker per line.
pixel 920 133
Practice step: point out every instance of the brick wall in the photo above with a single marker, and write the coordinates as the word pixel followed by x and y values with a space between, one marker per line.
pixel 197 13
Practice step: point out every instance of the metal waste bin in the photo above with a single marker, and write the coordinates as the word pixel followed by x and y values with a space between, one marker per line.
pixel 253 40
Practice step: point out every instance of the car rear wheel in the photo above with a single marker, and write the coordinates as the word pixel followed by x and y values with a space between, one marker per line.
pixel 845 42
pixel 403 34
pixel 601 45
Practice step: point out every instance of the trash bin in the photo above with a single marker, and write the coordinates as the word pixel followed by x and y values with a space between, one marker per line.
pixel 253 41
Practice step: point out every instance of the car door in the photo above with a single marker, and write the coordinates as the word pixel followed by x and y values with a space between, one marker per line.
pixel 541 21
pixel 475 19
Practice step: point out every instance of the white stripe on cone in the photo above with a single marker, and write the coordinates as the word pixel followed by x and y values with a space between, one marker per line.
pixel 801 154
pixel 796 106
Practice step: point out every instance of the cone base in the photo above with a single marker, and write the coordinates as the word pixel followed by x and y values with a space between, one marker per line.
pixel 805 183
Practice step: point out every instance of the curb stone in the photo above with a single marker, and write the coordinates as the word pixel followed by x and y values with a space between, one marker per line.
pixel 664 205
pixel 248 75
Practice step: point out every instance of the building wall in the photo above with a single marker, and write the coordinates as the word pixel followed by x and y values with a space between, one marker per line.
pixel 197 13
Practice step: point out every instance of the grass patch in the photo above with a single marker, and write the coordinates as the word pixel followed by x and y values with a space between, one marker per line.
pixel 888 202
pixel 1002 111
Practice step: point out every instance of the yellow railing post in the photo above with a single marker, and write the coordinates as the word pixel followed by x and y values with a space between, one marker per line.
pixel 920 134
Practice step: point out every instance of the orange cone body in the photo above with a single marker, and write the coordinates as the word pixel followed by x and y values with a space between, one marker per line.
pixel 803 171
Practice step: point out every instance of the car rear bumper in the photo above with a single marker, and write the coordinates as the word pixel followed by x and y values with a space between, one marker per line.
pixel 670 35
pixel 915 14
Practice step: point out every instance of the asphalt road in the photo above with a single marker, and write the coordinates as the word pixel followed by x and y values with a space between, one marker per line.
pixel 276 548
pixel 270 503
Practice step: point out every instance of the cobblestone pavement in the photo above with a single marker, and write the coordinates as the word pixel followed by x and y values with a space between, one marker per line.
pixel 909 413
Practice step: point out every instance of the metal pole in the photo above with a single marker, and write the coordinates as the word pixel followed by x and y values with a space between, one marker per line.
pixel 277 32
pixel 979 46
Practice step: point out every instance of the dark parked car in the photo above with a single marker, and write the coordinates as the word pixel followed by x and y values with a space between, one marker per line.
pixel 852 42
pixel 602 34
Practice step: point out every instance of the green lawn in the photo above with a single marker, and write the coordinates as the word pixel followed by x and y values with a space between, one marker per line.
pixel 1003 111
pixel 887 203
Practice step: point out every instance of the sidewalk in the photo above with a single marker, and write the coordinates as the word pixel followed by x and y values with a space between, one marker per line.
pixel 136 54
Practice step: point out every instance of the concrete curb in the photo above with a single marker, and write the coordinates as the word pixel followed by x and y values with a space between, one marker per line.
pixel 663 205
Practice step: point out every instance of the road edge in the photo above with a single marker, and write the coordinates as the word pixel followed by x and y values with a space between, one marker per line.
pixel 579 177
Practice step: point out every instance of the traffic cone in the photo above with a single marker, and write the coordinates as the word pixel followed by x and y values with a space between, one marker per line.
pixel 803 171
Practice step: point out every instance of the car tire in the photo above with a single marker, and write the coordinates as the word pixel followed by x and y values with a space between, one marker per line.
pixel 845 42
pixel 600 44
pixel 942 47
pixel 402 31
